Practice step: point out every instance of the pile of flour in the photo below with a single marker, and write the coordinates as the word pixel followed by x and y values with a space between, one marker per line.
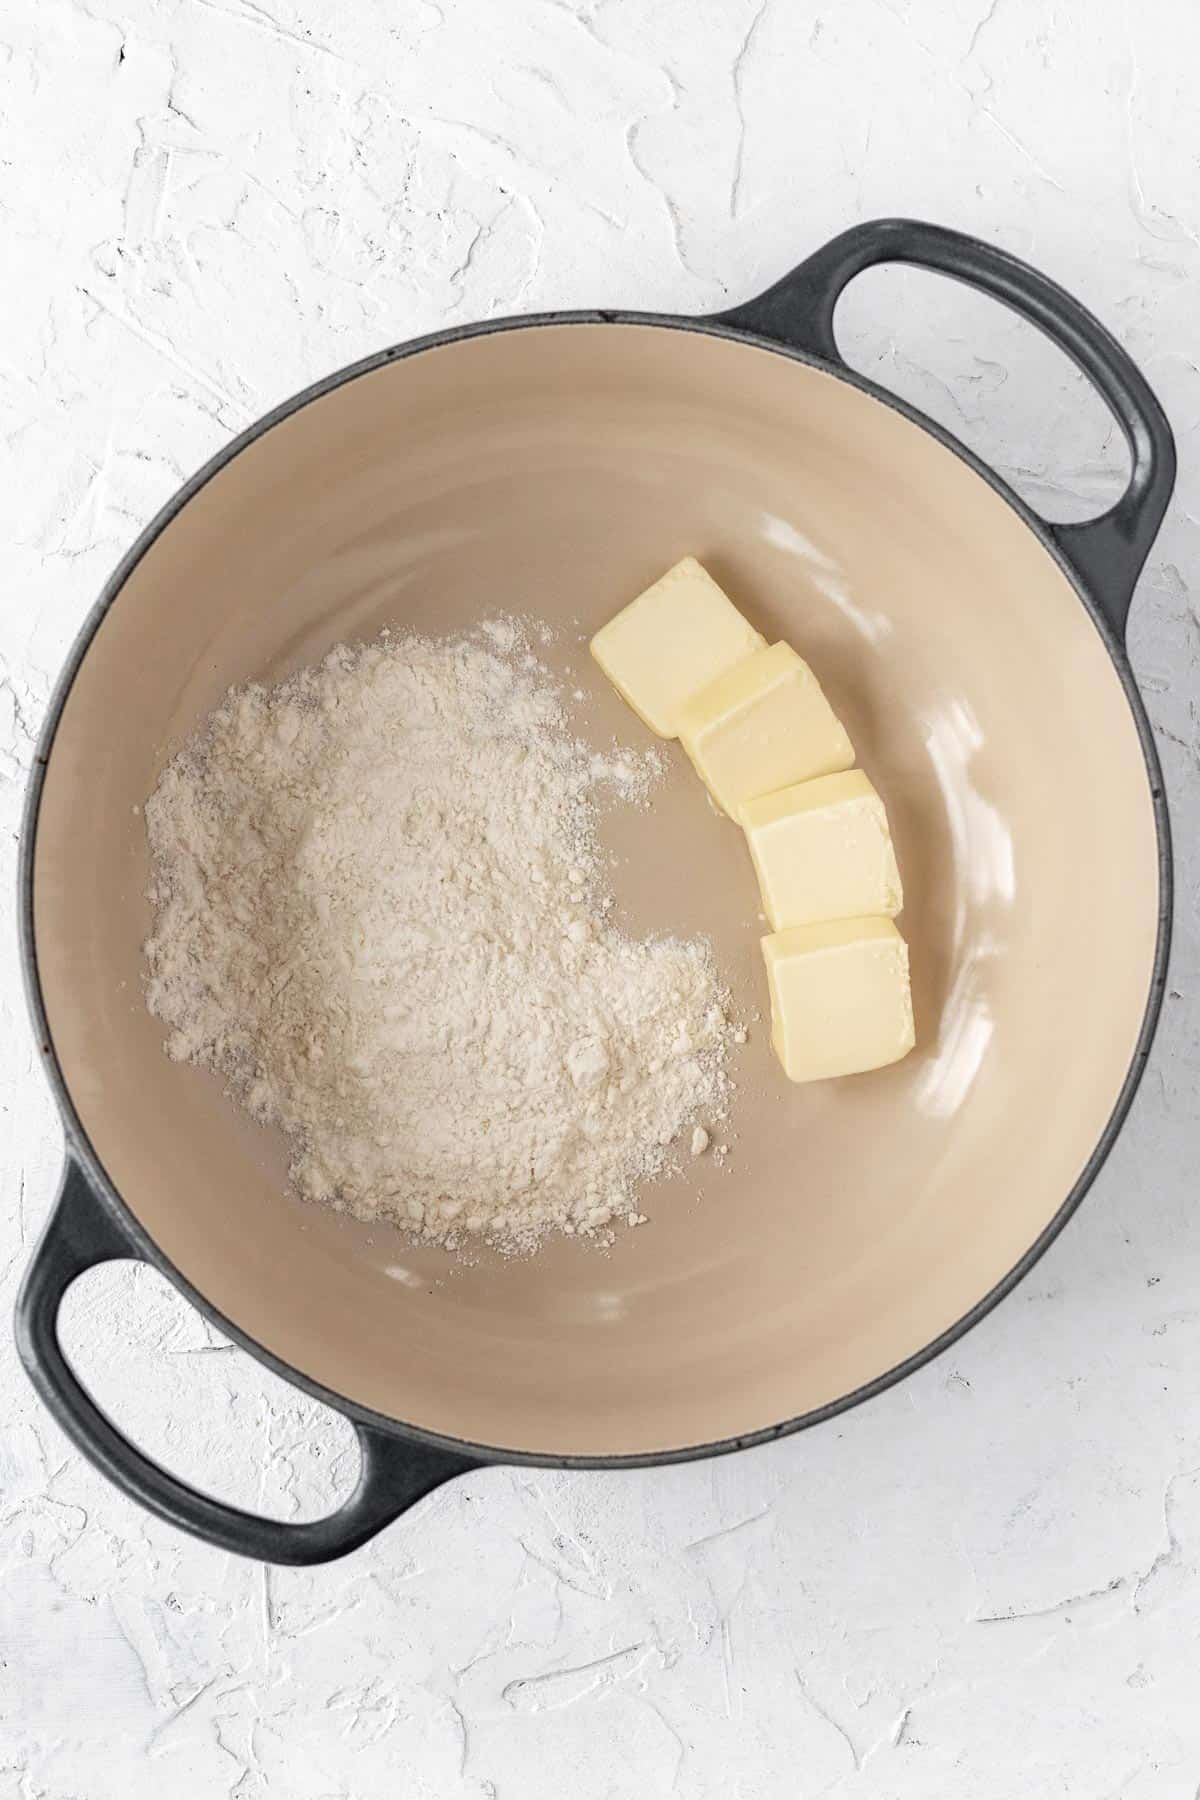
pixel 381 914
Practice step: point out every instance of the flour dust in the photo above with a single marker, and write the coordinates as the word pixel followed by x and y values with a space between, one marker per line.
pixel 381 914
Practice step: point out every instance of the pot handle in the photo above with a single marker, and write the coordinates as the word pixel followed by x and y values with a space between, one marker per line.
pixel 1105 554
pixel 81 1232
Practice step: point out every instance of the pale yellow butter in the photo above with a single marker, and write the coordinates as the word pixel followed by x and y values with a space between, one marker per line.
pixel 762 726
pixel 822 850
pixel 840 997
pixel 671 641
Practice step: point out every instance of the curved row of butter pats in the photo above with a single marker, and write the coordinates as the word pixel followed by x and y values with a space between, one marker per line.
pixel 776 758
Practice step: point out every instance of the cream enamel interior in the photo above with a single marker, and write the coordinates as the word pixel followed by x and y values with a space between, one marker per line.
pixel 557 470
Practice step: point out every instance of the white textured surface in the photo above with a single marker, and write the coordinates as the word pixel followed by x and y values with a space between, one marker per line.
pixel 986 1583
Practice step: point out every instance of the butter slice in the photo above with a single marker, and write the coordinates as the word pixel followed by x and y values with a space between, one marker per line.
pixel 672 640
pixel 762 726
pixel 822 850
pixel 840 998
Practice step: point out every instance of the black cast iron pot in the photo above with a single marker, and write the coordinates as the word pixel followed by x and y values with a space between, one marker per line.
pixel 555 465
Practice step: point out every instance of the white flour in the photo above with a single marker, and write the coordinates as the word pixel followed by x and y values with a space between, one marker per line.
pixel 381 914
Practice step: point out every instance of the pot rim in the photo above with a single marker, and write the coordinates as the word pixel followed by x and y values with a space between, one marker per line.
pixel 142 1244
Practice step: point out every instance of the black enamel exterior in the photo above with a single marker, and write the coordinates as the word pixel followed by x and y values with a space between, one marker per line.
pixel 400 1463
